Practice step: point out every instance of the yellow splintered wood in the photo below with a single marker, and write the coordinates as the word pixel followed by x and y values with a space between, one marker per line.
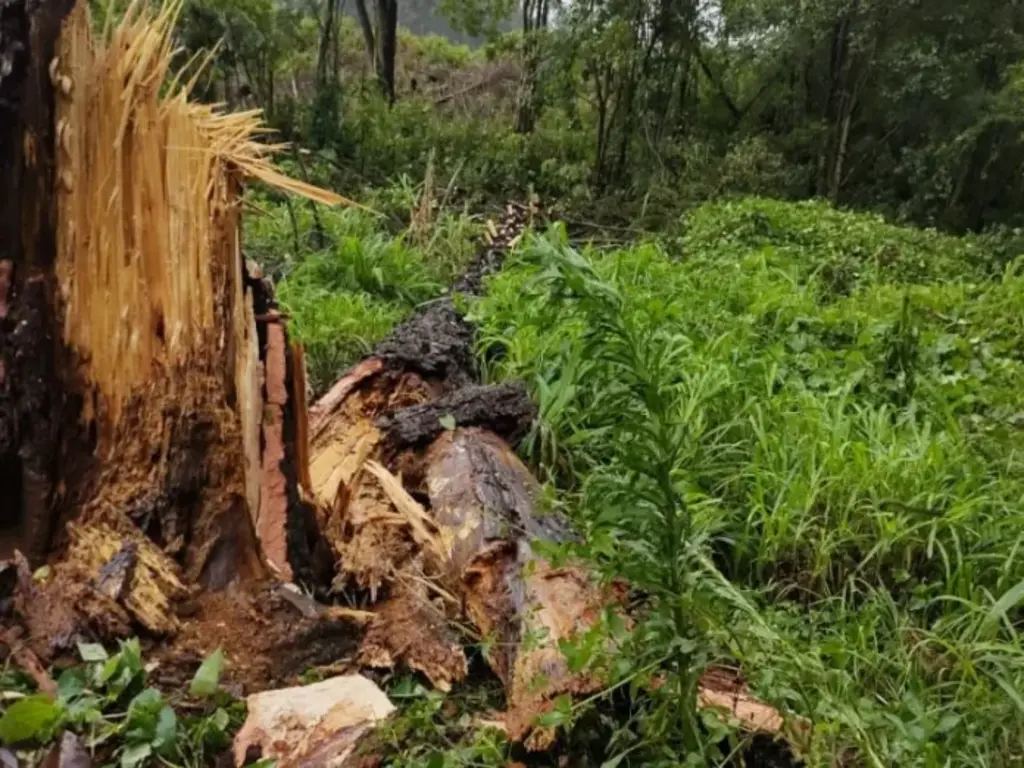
pixel 143 174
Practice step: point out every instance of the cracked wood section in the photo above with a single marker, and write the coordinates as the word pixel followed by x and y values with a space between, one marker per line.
pixel 483 500
pixel 271 523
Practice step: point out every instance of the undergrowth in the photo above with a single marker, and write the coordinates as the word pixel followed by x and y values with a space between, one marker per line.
pixel 794 431
pixel 120 719
pixel 347 276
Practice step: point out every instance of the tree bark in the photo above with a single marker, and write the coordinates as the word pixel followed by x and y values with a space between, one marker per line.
pixel 30 402
pixel 147 412
pixel 387 46
pixel 369 39
pixel 328 35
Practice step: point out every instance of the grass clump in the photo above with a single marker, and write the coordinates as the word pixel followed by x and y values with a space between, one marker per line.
pixel 347 277
pixel 794 430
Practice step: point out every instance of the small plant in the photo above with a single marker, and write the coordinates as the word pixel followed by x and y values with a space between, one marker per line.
pixel 649 502
pixel 439 730
pixel 107 702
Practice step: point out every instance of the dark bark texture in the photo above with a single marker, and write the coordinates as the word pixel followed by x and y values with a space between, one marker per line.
pixel 505 409
pixel 30 400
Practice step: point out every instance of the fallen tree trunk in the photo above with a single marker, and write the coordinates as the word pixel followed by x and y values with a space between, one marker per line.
pixel 451 538
pixel 149 418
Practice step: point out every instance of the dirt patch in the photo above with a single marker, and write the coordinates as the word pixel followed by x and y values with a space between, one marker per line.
pixel 267 642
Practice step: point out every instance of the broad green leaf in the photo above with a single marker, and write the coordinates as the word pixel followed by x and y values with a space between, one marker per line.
pixel 448 422
pixel 92 652
pixel 29 718
pixel 207 679
pixel 144 713
pixel 220 719
pixel 71 683
pixel 131 655
pixel 85 710
pixel 1011 691
pixel 1009 599
pixel 135 754
pixel 166 728
pixel 108 670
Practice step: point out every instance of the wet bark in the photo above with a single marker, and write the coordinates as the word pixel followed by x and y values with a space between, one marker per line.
pixel 505 409
pixel 30 402
pixel 137 494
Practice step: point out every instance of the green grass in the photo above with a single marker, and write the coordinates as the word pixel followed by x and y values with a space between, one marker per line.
pixel 798 428
pixel 348 284
pixel 793 430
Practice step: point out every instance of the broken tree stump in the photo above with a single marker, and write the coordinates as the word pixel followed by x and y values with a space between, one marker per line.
pixel 147 383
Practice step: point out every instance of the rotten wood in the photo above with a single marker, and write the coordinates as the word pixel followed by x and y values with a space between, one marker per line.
pixel 29 359
pixel 272 519
pixel 436 344
pixel 109 584
pixel 412 630
pixel 484 500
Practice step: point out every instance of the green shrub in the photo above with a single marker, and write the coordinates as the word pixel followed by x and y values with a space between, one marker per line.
pixel 106 701
pixel 347 295
pixel 836 402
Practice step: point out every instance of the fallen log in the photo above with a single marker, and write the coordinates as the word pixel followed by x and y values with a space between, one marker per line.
pixel 454 509
pixel 505 408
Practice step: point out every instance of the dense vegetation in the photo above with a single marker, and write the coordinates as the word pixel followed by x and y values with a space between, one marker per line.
pixel 794 431
pixel 821 409
pixel 904 107
pixel 771 399
pixel 122 719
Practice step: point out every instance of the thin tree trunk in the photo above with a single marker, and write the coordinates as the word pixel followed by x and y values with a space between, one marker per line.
pixel 387 46
pixel 369 39
pixel 324 48
pixel 526 96
pixel 723 94
pixel 336 53
pixel 837 169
